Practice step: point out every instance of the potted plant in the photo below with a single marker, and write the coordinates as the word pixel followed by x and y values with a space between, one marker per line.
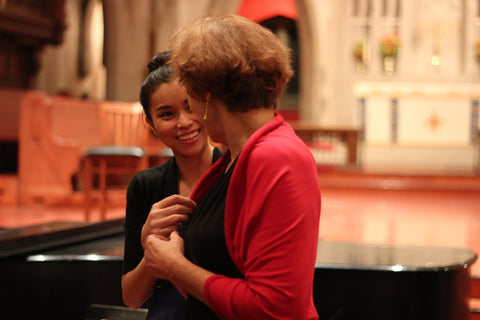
pixel 359 56
pixel 389 46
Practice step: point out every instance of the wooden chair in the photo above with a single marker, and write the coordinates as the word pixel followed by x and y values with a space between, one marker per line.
pixel 121 153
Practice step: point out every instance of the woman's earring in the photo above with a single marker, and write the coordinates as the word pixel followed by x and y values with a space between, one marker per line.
pixel 206 110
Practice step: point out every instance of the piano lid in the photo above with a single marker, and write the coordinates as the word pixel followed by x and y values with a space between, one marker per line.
pixel 27 240
pixel 388 257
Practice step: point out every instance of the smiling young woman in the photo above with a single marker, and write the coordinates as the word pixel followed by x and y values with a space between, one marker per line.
pixel 157 198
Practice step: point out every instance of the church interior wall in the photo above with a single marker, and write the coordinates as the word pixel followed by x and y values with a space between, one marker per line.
pixel 436 53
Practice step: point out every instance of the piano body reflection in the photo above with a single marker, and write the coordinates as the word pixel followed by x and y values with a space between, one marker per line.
pixel 375 281
pixel 57 270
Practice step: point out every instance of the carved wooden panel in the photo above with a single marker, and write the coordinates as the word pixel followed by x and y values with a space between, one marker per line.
pixel 25 27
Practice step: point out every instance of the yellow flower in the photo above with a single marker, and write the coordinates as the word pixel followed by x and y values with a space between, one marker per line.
pixel 389 45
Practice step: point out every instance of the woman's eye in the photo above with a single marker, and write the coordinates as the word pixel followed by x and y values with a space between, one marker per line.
pixel 165 114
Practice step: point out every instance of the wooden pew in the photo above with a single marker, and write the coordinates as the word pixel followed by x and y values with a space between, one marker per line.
pixel 53 132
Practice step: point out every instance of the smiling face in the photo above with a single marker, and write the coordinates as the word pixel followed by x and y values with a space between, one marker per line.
pixel 175 123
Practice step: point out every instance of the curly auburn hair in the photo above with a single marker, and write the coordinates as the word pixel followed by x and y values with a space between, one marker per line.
pixel 234 59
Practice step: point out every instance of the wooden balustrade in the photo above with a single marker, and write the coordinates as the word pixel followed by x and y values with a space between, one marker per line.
pixel 349 136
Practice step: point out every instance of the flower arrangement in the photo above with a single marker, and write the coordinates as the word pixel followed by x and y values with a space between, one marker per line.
pixel 477 49
pixel 358 52
pixel 389 45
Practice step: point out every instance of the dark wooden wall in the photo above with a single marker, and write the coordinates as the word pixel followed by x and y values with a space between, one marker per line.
pixel 26 26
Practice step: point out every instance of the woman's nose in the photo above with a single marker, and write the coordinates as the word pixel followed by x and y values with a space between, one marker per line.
pixel 183 120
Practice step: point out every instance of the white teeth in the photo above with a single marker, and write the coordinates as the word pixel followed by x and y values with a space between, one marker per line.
pixel 188 136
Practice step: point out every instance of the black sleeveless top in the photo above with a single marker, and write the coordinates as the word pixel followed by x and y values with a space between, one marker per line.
pixel 205 242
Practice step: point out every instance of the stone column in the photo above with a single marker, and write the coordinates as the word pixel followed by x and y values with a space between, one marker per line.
pixel 127 38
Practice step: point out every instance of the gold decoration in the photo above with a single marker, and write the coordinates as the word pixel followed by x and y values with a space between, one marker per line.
pixel 389 65
pixel 434 122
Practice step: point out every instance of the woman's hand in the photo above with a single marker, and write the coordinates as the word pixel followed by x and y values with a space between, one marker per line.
pixel 166 216
pixel 166 260
pixel 161 255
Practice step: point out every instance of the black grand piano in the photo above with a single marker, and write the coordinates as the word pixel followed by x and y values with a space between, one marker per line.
pixel 59 270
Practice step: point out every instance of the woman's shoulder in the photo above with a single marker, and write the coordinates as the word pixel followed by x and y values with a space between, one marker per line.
pixel 277 136
pixel 276 150
pixel 282 140
pixel 153 184
pixel 155 173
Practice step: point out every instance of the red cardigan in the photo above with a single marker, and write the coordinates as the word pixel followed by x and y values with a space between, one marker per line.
pixel 272 217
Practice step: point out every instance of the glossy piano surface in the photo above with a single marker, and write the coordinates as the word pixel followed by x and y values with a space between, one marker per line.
pixel 396 258
pixel 55 271
pixel 375 281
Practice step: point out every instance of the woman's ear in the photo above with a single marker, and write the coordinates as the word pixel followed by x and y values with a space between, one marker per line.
pixel 148 123
pixel 153 131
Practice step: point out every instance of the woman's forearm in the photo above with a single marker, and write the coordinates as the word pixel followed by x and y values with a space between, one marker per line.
pixel 190 278
pixel 137 286
pixel 166 260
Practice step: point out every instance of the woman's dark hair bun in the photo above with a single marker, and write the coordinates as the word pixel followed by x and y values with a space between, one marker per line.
pixel 159 60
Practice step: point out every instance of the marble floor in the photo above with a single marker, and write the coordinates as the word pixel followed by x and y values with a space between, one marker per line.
pixel 431 218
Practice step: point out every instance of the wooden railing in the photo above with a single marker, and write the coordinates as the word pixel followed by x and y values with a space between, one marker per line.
pixel 327 143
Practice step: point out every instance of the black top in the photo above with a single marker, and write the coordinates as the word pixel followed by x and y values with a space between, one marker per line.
pixel 205 242
pixel 146 188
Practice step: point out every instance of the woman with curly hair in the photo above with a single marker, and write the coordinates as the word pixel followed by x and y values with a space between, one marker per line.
pixel 250 246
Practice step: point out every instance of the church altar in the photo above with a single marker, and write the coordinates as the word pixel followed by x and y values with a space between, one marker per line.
pixel 431 124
